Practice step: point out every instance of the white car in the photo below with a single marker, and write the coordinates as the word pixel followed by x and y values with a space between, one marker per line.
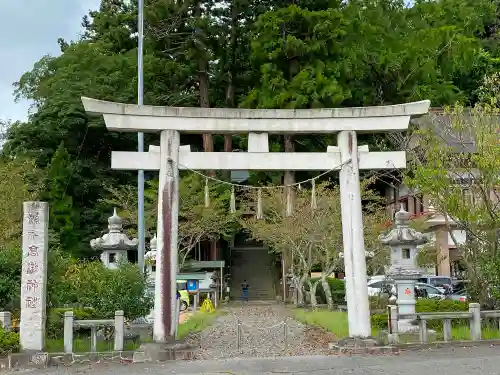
pixel 378 287
pixel 432 291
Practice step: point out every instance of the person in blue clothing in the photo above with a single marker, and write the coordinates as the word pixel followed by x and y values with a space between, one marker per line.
pixel 244 290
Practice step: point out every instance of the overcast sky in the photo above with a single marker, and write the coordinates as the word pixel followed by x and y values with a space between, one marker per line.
pixel 28 30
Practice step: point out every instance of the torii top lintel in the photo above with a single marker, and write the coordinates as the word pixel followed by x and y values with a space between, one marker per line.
pixel 134 118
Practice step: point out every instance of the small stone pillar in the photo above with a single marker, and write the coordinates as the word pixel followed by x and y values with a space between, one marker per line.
pixel 119 330
pixel 475 321
pixel 403 242
pixel 115 244
pixel 6 320
pixel 68 331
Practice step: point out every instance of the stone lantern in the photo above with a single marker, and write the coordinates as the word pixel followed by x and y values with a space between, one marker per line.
pixel 404 269
pixel 150 258
pixel 115 244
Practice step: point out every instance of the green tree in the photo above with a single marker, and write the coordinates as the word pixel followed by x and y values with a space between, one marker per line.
pixel 63 218
pixel 197 223
pixel 311 236
pixel 251 53
pixel 459 174
pixel 10 278
pixel 20 181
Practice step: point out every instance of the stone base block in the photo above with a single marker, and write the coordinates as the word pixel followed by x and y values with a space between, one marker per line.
pixel 359 346
pixel 29 360
pixel 159 352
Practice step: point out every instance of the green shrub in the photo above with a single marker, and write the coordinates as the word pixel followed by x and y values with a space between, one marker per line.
pixel 435 305
pixel 380 321
pixel 446 305
pixel 337 287
pixel 55 319
pixel 428 305
pixel 9 342
pixel 378 303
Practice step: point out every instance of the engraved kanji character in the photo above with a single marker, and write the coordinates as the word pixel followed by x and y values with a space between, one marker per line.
pixel 31 267
pixel 34 217
pixel 31 302
pixel 31 285
pixel 33 251
pixel 32 235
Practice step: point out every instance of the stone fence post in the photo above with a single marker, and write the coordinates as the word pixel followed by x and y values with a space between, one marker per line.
pixel 475 321
pixel 6 320
pixel 119 330
pixel 392 312
pixel 68 331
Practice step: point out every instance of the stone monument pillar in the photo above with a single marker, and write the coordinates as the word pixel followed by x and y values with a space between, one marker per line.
pixel 115 244
pixel 404 270
pixel 35 246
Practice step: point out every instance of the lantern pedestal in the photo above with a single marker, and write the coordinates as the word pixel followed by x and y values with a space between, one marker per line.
pixel 405 289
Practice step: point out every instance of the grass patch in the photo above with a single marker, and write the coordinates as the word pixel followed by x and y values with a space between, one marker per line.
pixel 336 323
pixel 197 323
pixel 83 345
pixel 332 321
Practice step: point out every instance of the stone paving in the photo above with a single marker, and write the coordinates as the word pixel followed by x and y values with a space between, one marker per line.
pixel 262 334
pixel 262 352
pixel 451 361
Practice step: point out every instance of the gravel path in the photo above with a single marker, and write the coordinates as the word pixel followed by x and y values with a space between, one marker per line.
pixel 262 334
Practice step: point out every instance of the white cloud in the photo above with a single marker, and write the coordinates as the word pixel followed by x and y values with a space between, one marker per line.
pixel 29 30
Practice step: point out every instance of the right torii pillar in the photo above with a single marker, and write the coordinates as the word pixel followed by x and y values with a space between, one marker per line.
pixel 358 307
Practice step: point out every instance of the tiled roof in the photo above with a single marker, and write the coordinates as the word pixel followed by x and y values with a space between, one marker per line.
pixel 440 123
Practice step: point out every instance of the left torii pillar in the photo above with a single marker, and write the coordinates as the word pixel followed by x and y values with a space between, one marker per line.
pixel 167 233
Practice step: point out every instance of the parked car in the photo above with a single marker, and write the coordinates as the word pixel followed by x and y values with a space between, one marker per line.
pixel 379 287
pixel 434 292
pixel 430 291
pixel 436 281
pixel 182 288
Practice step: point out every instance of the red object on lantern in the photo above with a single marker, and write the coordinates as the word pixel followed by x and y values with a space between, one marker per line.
pixel 407 291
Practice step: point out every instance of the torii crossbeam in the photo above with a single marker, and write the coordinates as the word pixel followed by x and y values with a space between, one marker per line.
pixel 169 157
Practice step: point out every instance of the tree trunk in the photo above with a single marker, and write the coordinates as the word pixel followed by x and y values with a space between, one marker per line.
pixel 328 291
pixel 203 83
pixel 208 142
pixel 230 91
pixel 312 291
pixel 289 176
pixel 300 290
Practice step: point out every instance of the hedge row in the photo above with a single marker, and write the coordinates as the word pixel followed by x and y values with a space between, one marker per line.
pixel 55 320
pixel 428 305
pixel 9 342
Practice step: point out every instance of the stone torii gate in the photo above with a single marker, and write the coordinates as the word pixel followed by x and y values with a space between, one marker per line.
pixel 258 123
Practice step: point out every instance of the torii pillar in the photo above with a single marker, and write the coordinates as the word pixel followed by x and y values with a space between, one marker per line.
pixel 258 123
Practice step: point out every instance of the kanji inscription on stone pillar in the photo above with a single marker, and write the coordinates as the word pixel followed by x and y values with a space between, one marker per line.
pixel 34 275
